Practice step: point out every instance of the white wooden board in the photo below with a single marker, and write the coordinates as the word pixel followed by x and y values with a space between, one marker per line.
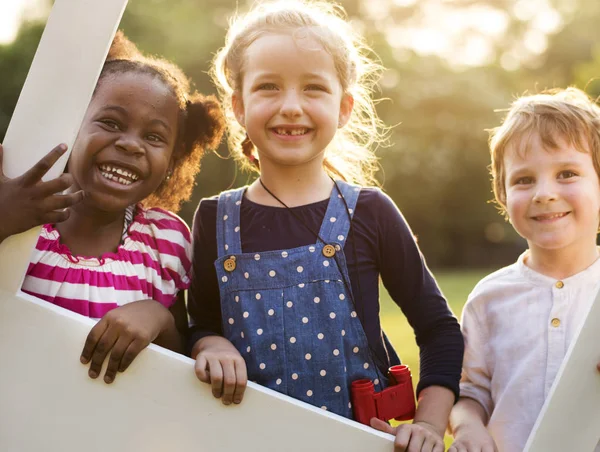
pixel 570 418
pixel 47 402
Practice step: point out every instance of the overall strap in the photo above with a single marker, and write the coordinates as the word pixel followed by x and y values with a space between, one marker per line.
pixel 228 222
pixel 336 222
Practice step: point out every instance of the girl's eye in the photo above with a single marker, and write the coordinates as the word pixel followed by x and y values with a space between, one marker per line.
pixel 155 138
pixel 526 180
pixel 267 87
pixel 315 88
pixel 110 124
pixel 566 174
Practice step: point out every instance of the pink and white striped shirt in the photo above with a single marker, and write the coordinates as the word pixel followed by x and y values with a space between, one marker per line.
pixel 152 262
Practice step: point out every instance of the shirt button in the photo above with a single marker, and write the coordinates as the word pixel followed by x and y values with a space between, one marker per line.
pixel 328 251
pixel 559 284
pixel 555 322
pixel 229 264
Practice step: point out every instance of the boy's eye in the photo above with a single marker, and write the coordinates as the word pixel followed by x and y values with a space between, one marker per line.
pixel 566 174
pixel 316 88
pixel 267 87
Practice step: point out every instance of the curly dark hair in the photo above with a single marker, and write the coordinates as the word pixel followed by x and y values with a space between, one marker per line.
pixel 201 120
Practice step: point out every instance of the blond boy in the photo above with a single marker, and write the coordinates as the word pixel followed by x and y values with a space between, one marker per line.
pixel 519 321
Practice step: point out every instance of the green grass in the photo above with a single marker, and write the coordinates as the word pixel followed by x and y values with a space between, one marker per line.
pixel 455 285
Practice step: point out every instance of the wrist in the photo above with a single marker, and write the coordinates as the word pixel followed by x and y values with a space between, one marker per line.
pixel 466 428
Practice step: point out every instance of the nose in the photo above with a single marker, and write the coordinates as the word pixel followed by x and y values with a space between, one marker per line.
pixel 291 106
pixel 130 143
pixel 544 192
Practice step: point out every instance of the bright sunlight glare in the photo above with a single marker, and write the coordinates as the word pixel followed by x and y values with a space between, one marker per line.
pixel 13 12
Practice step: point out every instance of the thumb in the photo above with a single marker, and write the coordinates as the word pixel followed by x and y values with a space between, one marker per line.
pixel 597 365
pixel 382 426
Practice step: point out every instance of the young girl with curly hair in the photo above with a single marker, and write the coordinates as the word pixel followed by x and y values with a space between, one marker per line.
pixel 118 253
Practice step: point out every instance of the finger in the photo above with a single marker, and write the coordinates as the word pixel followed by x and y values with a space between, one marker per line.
pixel 416 441
pixel 201 369
pixel 216 377
pixel 92 339
pixel 60 202
pixel 58 185
pixel 428 444
pixel 134 349
pixel 438 447
pixel 382 426
pixel 229 381
pixel 242 380
pixel 403 438
pixel 57 216
pixel 103 348
pixel 115 358
pixel 35 173
pixel 598 367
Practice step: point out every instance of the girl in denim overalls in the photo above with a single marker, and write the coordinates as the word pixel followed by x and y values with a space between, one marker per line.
pixel 286 270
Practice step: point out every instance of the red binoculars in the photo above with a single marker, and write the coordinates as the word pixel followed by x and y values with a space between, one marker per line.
pixel 397 401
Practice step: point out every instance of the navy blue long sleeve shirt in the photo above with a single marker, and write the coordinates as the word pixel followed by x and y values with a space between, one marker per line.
pixel 382 245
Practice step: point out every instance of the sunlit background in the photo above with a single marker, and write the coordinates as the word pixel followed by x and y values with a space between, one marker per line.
pixel 452 66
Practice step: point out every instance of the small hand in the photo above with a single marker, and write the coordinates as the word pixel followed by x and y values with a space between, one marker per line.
pixel 219 363
pixel 124 332
pixel 416 437
pixel 473 439
pixel 26 201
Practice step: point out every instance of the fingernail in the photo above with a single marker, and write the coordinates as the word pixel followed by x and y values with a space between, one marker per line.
pixel 226 402
pixel 237 401
pixel 83 360
pixel 62 147
pixel 92 374
pixel 108 380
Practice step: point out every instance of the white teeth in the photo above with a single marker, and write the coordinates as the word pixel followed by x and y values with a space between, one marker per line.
pixel 116 172
pixel 292 132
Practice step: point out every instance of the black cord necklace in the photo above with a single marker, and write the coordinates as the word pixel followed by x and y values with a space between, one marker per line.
pixel 329 251
pixel 289 209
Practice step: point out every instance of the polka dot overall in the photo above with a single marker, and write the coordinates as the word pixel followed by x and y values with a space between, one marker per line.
pixel 289 312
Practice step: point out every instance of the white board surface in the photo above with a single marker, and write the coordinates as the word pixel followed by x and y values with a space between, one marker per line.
pixel 48 403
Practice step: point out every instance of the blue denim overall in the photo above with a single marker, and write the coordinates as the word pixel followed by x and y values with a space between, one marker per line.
pixel 289 312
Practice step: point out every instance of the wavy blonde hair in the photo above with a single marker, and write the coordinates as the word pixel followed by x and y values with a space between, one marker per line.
pixel 556 116
pixel 350 156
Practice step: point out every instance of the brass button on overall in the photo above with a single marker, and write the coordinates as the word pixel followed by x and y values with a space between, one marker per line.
pixel 229 264
pixel 328 251
pixel 559 284
pixel 555 322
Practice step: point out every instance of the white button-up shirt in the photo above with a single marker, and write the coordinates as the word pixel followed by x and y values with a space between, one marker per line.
pixel 517 326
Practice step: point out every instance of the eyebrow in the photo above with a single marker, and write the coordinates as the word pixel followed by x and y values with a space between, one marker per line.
pixel 123 111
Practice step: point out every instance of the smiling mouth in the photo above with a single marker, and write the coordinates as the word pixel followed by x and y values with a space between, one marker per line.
pixel 550 216
pixel 291 132
pixel 117 174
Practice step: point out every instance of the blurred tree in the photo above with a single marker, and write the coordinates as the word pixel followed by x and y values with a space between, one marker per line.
pixel 440 98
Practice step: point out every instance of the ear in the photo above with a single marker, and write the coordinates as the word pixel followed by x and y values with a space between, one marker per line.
pixel 237 104
pixel 346 106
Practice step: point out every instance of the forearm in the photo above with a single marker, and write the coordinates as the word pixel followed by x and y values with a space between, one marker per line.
pixel 435 403
pixel 467 413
